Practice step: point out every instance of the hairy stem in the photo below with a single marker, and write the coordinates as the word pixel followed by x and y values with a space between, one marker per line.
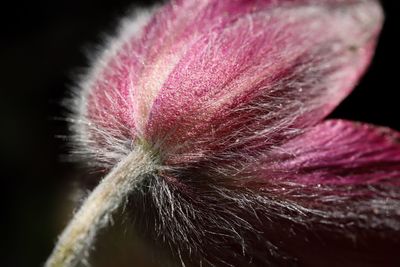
pixel 95 213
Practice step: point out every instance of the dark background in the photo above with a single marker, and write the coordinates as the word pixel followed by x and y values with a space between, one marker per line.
pixel 42 48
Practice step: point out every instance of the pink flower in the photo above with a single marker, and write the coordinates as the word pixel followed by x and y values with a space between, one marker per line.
pixel 229 96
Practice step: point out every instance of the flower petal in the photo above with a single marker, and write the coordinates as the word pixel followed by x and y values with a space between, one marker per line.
pixel 341 153
pixel 340 184
pixel 241 83
pixel 225 79
pixel 346 172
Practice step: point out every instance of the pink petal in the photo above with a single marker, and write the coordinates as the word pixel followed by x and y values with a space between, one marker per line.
pixel 225 79
pixel 340 184
pixel 344 172
pixel 338 152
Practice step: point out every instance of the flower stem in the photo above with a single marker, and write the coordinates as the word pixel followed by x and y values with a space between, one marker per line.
pixel 76 240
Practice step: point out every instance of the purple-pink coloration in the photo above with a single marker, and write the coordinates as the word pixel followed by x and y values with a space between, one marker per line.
pixel 230 96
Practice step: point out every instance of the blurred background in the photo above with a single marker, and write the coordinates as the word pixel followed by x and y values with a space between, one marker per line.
pixel 43 46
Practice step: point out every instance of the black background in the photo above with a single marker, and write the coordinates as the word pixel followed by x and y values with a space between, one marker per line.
pixel 42 47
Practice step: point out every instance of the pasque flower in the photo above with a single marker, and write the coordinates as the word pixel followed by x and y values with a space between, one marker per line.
pixel 209 115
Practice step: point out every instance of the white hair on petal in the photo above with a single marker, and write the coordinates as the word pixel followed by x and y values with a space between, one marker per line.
pixel 83 145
